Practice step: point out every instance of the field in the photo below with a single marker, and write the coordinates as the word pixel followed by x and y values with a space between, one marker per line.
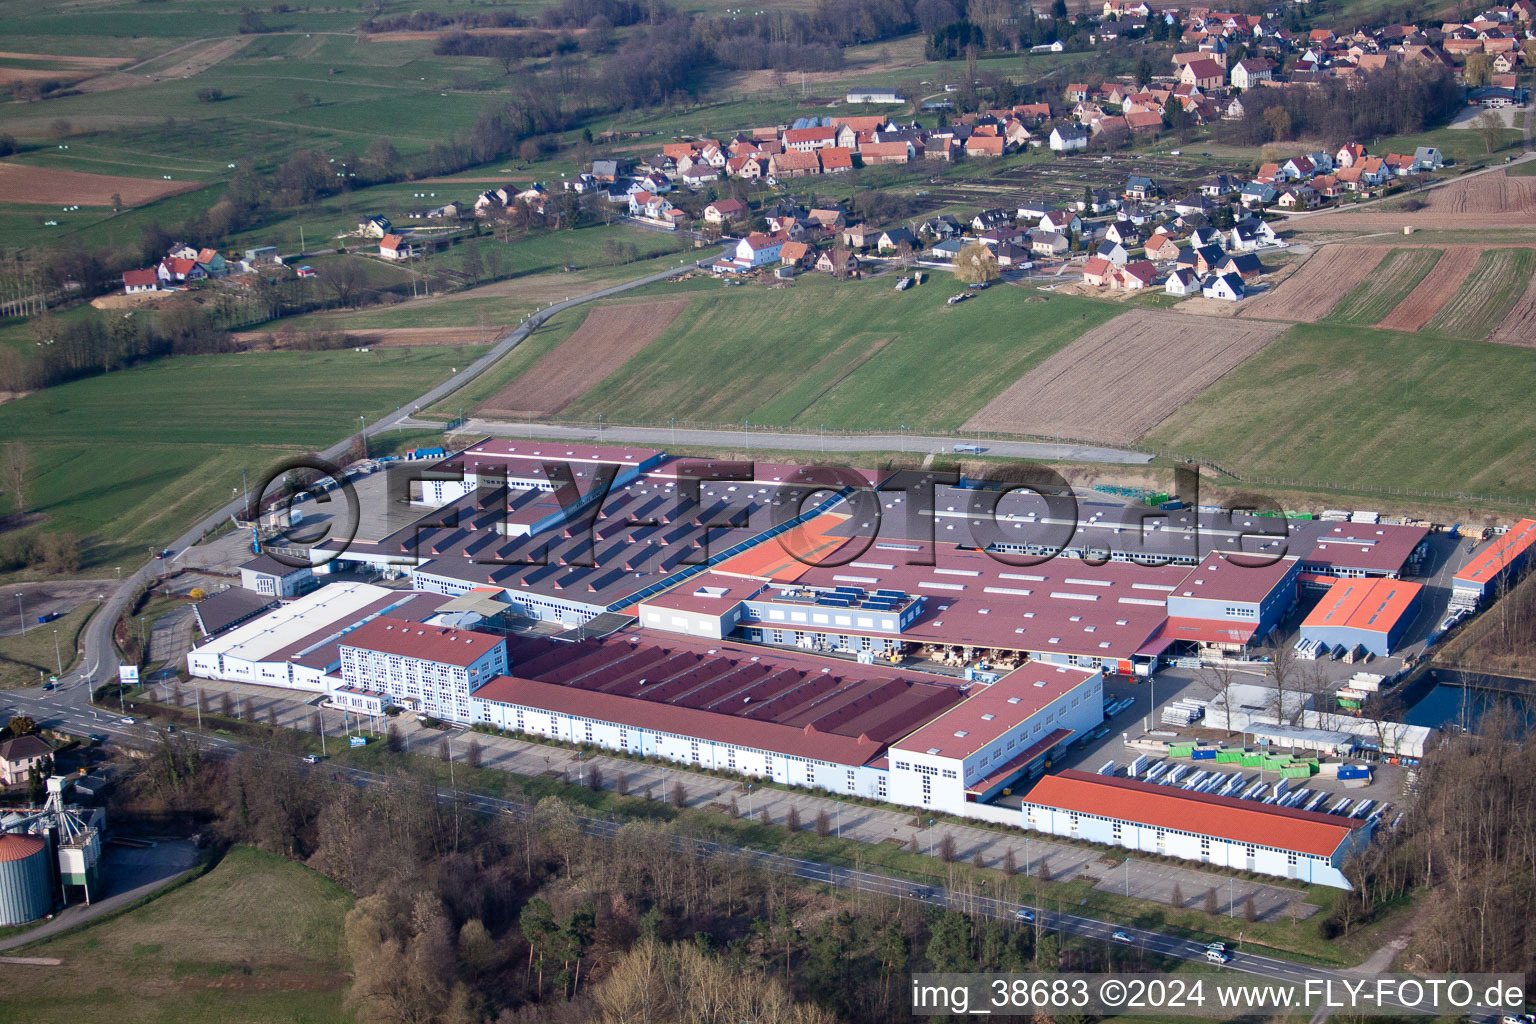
pixel 1370 411
pixel 257 939
pixel 851 354
pixel 391 337
pixel 127 460
pixel 1397 275
pixel 1124 377
pixel 606 339
pixel 1519 324
pixel 1490 290
pixel 1309 293
pixel 20 183
pixel 1491 200
pixel 1431 293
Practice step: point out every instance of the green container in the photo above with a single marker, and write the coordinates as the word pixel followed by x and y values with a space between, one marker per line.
pixel 1296 771
pixel 1181 750
pixel 1276 763
pixel 1230 756
pixel 1252 760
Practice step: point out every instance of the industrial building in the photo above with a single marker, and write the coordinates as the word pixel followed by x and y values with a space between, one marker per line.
pixel 296 644
pixel 266 575
pixel 1496 565
pixel 422 668
pixel 1352 549
pixel 47 855
pixel 1373 614
pixel 1227 832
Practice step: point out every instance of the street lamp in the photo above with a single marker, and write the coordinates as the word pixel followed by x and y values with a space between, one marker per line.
pixel 1231 898
pixel 1127 876
pixel 21 614
pixel 839 819
pixel 749 800
pixel 361 419
pixel 930 837
pixel 57 657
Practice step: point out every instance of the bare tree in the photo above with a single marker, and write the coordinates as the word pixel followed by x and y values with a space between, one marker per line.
pixel 1220 682
pixel 13 474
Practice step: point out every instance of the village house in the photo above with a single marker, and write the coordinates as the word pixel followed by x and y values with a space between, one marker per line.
pixel 797 254
pixel 1048 243
pixel 1068 137
pixel 1248 73
pixel 835 160
pixel 1134 276
pixel 1244 264
pixel 1228 287
pixel 892 238
pixel 376 226
pixel 179 269
pixel 1302 197
pixel 1112 252
pixel 395 247
pixel 826 263
pixel 1124 232
pixel 140 281
pixel 1162 247
pixel 1097 271
pixel 723 211
pixel 19 755
pixel 1182 282
pixel 795 164
pixel 1065 221
pixel 860 236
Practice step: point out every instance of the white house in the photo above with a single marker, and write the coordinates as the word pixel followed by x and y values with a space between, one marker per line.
pixel 1067 137
pixel 1182 282
pixel 1223 286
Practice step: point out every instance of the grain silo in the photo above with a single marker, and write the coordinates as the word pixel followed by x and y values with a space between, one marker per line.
pixel 26 889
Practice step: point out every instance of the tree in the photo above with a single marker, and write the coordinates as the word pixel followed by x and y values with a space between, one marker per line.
pixel 474 753
pixel 21 725
pixel 679 795
pixel 392 740
pixel 1278 121
pixel 347 279
pixel 1211 906
pixel 227 704
pixel 1478 70
pixel 381 153
pixel 947 848
pixel 823 824
pixel 13 474
pixel 1010 862
pixel 976 263
pixel 210 95
pixel 949 944
pixel 792 819
pixel 1220 681
pixel 1178 895
pixel 1490 128
pixel 1250 909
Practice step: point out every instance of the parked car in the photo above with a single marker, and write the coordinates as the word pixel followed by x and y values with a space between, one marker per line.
pixel 1123 937
pixel 980 286
pixel 311 758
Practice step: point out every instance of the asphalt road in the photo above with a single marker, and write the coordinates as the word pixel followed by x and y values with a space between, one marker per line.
pixel 661 437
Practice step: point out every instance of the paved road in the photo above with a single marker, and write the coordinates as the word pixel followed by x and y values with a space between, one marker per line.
pixel 661 437
pixel 99 664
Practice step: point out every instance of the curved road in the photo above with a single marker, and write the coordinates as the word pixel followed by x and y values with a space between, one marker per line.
pixel 99 662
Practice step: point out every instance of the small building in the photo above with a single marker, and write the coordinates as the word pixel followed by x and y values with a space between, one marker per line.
pixel 1228 287
pixel 395 247
pixel 1135 275
pixel 1162 247
pixel 19 755
pixel 1097 271
pixel 1497 564
pixel 1048 243
pixel 262 255
pixel 1182 282
pixel 376 226
pixel 1244 264
pixel 1065 138
pixel 723 211
pixel 1371 613
pixel 266 575
pixel 1113 252
pixel 140 281
pixel 875 96
pixel 229 608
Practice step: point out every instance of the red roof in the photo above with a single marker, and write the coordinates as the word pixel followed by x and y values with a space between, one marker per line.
pixel 836 158
pixel 138 278
pixel 990 711
pixel 1369 547
pixel 391 242
pixel 14 846
pixel 1206 68
pixel 795 135
pixel 390 635
pixel 1221 817
pixel 1499 555
pixel 1373 605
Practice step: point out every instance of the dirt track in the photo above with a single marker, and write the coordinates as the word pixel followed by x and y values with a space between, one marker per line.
pixel 1309 293
pixel 1124 377
pixel 605 341
pixel 20 183
pixel 393 337
pixel 1438 285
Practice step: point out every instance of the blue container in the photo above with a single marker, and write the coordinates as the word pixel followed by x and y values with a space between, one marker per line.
pixel 1203 753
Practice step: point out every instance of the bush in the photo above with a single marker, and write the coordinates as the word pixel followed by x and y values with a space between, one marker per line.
pixel 210 95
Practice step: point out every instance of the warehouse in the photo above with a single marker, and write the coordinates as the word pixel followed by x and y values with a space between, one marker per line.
pixel 1231 601
pixel 1002 731
pixel 1373 613
pixel 1365 549
pixel 1227 832
pixel 295 645
pixel 520 465
pixel 782 715
pixel 422 668
pixel 1497 564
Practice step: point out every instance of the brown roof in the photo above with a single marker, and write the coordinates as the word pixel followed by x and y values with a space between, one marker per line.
pixel 390 635
pixel 23 748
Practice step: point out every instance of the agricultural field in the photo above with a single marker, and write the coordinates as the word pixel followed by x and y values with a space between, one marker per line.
pixel 1122 378
pixel 1489 292
pixel 1494 200
pixel 607 338
pixel 851 354
pixel 1394 277
pixel 126 460
pixel 1361 410
pixel 1310 292
pixel 257 939
pixel 1415 310
pixel 52 186
pixel 1519 324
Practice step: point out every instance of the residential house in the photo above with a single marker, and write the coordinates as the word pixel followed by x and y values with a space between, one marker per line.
pixel 487 203
pixel 1234 110
pixel 893 237
pixel 804 140
pixel 1204 74
pixel 1220 185
pixel 699 175
pixel 1348 154
pixel 609 170
pixel 946 249
pixel 179 269
pixel 1250 71
pixel 581 184
pixel 1201 237
pixel 1298 168
pixel 987 219
pixel 723 211
pixel 1140 187
pixel 1139 121
pixel 1162 247
pixel 997 236
pixel 1248 235
pixel 943 226
pixel 1427 158
pixel 1134 276
pixel 376 226
pixel 747 167
pixel 395 247
pixel 1258 193
pixel 1112 252
pixel 19 755
pixel 140 281
pixel 887 153
pixel 212 262
pixel 759 249
pixel 448 211
pixel 1228 287
pixel 836 160
pixel 1207 258
pixel 860 236
pixel 1098 201
pixel 1192 204
pixel 1065 221
pixel 826 220
pixel 1048 243
pixel 1010 254
pixel 1067 137
pixel 794 164
pixel 1182 281
pixel 985 145
pixel 797 254
pixel 1125 232
pixel 1327 186
pixel 1244 264
pixel 1374 171
pixel 1097 271
pixel 828 265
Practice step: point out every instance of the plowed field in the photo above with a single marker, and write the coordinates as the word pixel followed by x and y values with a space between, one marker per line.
pixel 20 183
pixel 1309 293
pixel 1438 285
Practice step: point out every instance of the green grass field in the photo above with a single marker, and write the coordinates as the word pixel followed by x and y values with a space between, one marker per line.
pixel 1490 289
pixel 1387 285
pixel 1370 411
pixel 127 460
pixel 846 354
pixel 24 658
pixel 257 939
